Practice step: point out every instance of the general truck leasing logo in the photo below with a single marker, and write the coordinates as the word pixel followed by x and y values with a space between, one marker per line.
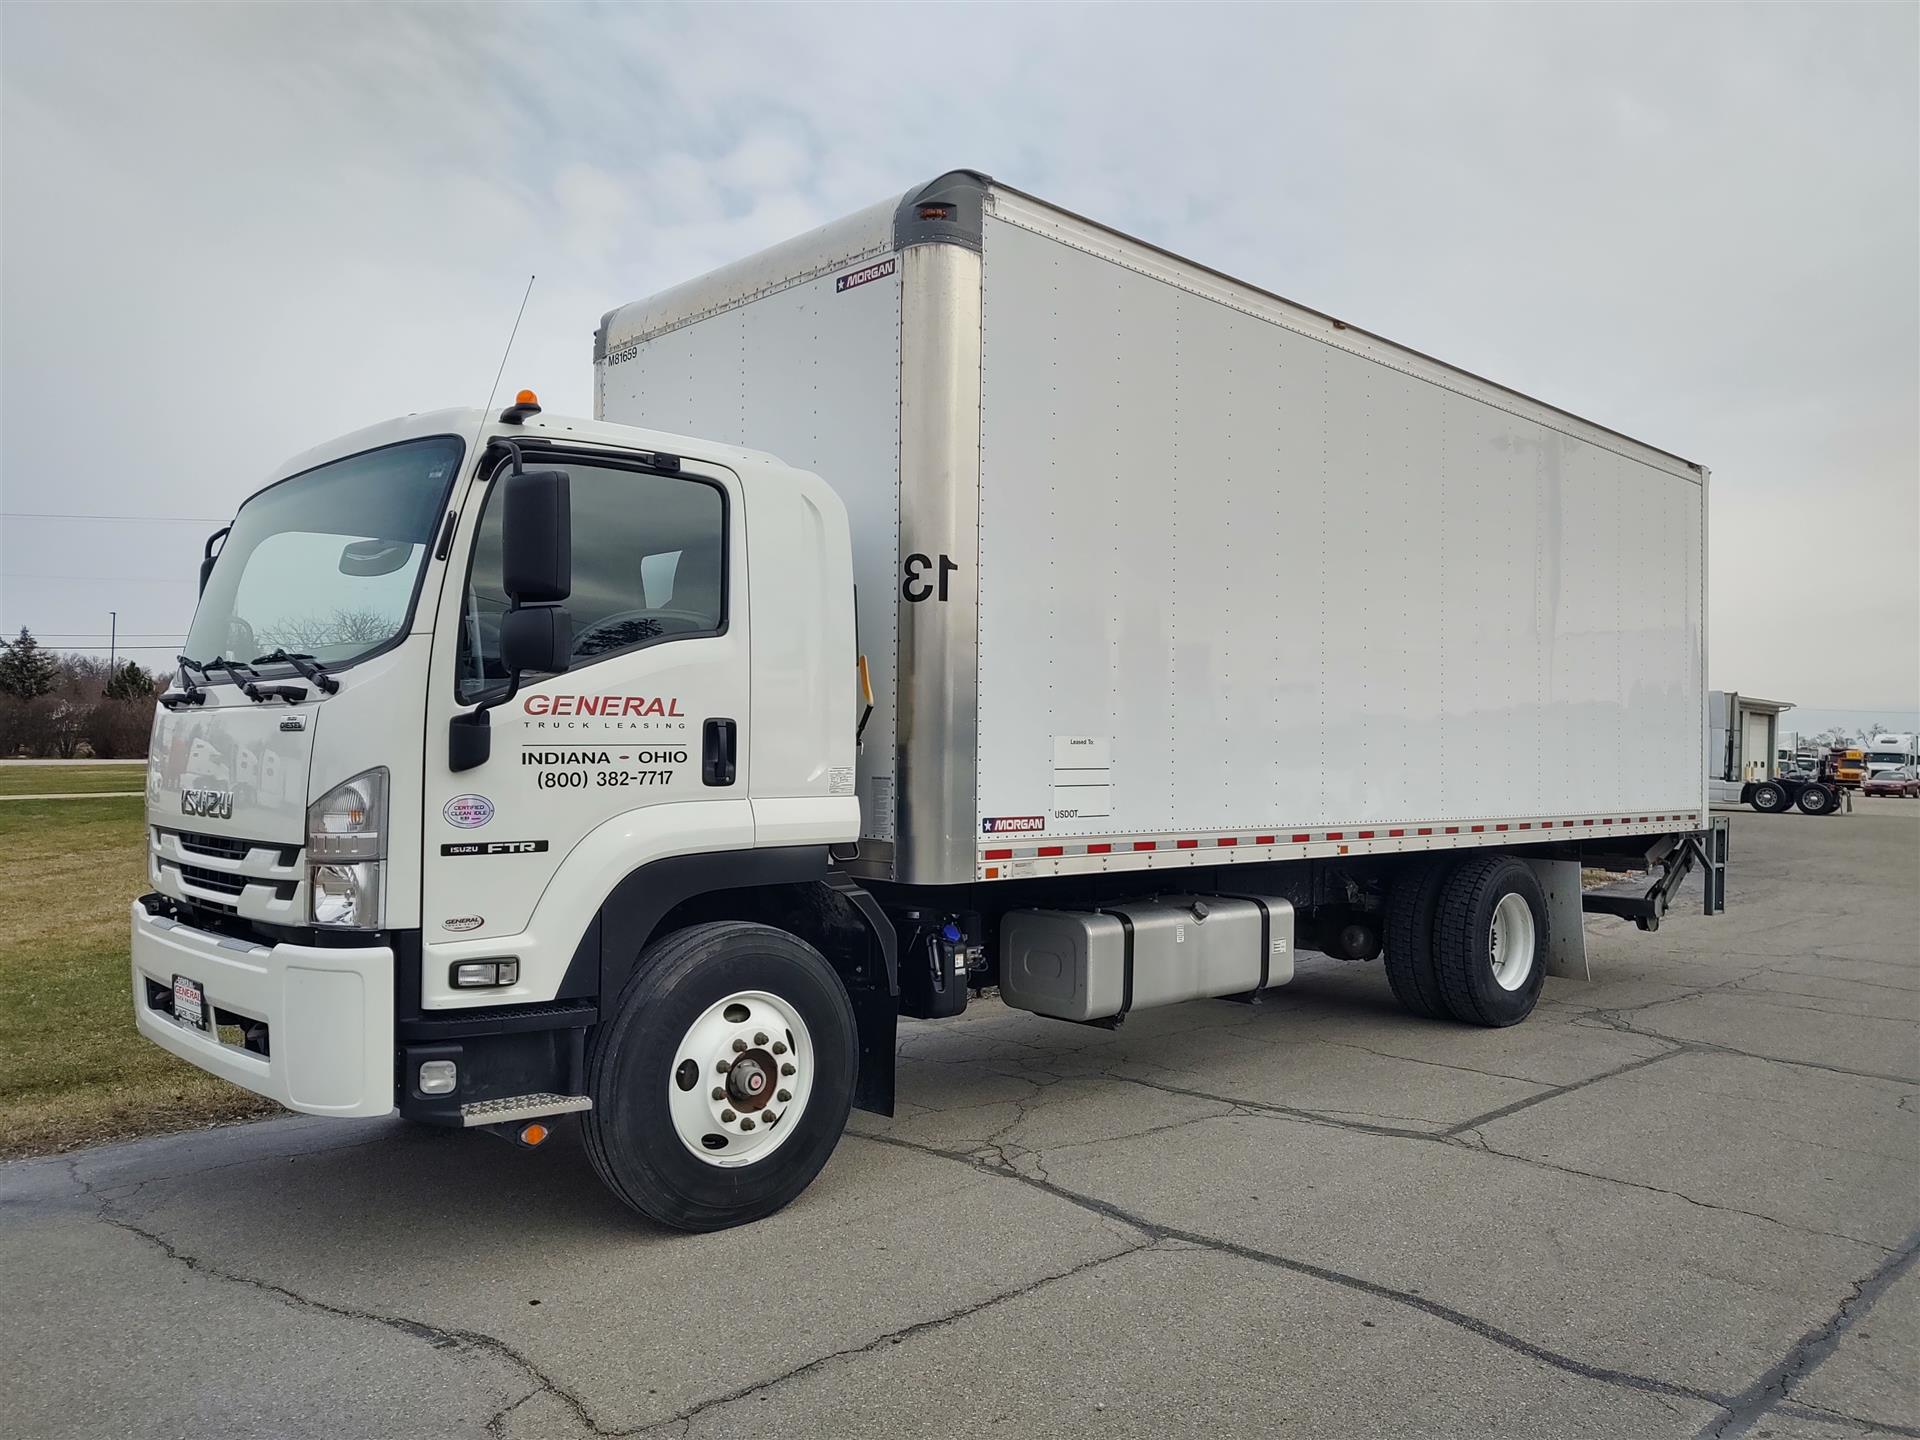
pixel 1003 824
pixel 606 706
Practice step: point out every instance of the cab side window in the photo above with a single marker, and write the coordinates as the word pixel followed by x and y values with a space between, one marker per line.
pixel 649 565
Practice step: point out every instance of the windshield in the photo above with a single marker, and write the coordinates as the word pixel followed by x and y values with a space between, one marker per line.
pixel 325 564
pixel 1886 757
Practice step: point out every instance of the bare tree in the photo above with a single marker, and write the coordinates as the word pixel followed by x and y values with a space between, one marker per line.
pixel 311 633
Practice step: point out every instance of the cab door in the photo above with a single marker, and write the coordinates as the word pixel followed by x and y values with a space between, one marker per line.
pixel 639 750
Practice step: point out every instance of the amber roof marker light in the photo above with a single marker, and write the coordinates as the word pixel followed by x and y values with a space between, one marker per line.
pixel 525 405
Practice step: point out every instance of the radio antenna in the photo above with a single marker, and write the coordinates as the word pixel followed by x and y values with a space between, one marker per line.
pixel 509 350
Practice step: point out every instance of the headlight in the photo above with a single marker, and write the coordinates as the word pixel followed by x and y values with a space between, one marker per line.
pixel 347 853
pixel 348 896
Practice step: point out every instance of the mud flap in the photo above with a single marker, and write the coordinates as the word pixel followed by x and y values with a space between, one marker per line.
pixel 1567 934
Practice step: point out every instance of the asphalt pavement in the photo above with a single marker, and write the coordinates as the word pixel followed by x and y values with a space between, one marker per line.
pixel 1681 1200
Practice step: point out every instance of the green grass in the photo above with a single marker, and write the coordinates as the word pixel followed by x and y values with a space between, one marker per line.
pixel 73 1070
pixel 78 777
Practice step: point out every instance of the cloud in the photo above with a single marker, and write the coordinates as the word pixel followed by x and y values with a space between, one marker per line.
pixel 231 231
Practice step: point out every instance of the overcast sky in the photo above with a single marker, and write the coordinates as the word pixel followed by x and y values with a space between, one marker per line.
pixel 228 233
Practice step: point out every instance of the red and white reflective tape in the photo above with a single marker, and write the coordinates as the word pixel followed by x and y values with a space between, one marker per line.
pixel 1117 851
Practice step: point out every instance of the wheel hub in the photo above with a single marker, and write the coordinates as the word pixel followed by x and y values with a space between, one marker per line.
pixel 740 1078
pixel 1511 940
pixel 750 1081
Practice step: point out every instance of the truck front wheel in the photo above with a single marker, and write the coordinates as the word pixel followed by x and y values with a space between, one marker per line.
pixel 1768 798
pixel 1490 940
pixel 723 1078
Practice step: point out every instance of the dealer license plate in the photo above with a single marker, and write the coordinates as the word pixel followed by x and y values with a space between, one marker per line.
pixel 189 1003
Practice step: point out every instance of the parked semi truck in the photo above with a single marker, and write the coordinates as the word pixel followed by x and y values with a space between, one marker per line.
pixel 1744 765
pixel 1897 751
pixel 962 594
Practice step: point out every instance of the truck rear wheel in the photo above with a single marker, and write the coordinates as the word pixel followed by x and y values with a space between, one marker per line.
pixel 1769 799
pixel 1490 940
pixel 1816 800
pixel 723 1079
pixel 1410 909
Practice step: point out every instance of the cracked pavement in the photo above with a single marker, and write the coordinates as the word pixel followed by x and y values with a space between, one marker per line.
pixel 1681 1200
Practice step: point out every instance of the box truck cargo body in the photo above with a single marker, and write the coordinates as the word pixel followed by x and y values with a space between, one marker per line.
pixel 1152 563
pixel 961 595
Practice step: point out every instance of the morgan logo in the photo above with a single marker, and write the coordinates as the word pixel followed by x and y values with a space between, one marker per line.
pixel 215 804
pixel 1004 824
pixel 863 277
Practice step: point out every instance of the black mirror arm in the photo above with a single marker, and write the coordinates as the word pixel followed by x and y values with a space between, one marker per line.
pixel 512 447
pixel 207 556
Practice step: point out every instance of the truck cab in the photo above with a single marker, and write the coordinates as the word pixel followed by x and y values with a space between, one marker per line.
pixel 457 683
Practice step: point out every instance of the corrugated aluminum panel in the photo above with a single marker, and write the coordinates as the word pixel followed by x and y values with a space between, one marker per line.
pixel 1281 583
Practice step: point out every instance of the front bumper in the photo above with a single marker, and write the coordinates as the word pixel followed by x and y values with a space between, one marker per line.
pixel 328 1012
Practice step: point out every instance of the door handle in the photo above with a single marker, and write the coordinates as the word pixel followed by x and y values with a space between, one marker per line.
pixel 717 752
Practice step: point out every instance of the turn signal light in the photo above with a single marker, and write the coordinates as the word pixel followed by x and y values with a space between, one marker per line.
pixel 533 1134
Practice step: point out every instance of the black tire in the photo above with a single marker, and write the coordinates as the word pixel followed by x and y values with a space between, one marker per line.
pixel 630 1135
pixel 1817 800
pixel 1769 799
pixel 1461 940
pixel 1410 910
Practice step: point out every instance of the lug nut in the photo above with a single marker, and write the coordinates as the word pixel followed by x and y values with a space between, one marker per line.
pixel 787 1069
pixel 779 1047
pixel 739 1047
pixel 746 1124
pixel 772 1115
pixel 759 1037
pixel 784 1096
pixel 719 1092
pixel 723 1067
pixel 728 1116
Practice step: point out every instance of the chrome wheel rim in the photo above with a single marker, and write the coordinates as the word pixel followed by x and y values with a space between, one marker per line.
pixel 740 1079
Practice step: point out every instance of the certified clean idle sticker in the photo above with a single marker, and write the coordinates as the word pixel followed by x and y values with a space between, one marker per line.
pixel 469 812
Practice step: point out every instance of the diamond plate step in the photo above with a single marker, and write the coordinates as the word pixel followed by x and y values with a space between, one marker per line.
pixel 521 1107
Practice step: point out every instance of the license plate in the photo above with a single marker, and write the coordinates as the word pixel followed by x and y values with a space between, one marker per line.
pixel 189 1003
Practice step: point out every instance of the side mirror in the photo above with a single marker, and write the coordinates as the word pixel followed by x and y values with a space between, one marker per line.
pixel 537 641
pixel 209 555
pixel 536 571
pixel 536 563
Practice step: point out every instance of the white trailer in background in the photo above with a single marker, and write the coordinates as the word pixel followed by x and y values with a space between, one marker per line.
pixel 1201 628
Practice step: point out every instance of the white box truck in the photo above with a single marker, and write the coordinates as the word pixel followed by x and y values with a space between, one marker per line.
pixel 1105 629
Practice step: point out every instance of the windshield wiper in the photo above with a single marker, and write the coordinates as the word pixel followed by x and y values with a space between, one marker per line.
pixel 243 675
pixel 189 693
pixel 311 670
